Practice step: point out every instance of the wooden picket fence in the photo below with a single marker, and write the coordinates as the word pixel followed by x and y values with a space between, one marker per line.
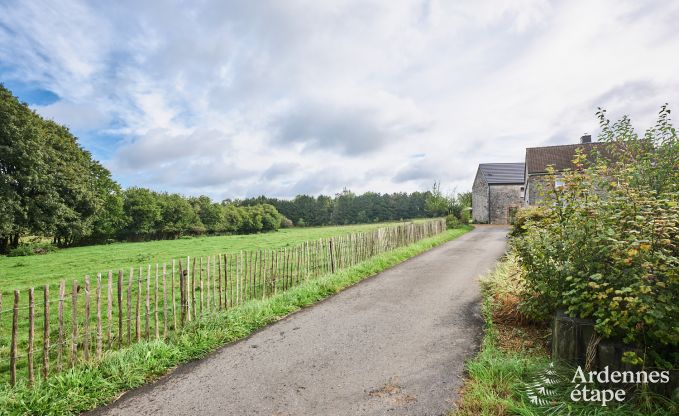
pixel 111 311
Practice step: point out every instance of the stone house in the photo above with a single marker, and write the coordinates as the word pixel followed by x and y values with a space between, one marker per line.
pixel 497 192
pixel 539 158
pixel 500 188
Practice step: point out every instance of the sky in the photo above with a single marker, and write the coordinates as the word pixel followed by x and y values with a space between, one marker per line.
pixel 233 99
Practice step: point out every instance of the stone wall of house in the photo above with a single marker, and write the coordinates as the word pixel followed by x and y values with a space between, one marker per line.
pixel 536 184
pixel 480 199
pixel 502 198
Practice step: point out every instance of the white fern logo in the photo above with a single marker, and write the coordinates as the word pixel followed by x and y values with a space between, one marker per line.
pixel 539 390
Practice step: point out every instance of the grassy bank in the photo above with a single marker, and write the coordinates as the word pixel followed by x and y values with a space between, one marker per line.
pixel 21 272
pixel 88 386
pixel 514 358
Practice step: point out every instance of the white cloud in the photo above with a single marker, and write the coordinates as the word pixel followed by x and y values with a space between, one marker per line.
pixel 240 98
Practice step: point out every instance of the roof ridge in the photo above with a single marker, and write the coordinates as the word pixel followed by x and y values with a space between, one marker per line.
pixel 564 145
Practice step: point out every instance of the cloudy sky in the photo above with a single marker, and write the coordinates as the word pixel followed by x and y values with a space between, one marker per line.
pixel 240 98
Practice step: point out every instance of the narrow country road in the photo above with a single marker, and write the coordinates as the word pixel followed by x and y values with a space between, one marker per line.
pixel 394 344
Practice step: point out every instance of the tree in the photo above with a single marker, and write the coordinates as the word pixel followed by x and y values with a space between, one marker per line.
pixel 142 212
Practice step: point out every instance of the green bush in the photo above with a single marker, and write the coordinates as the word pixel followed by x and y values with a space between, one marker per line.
pixel 525 218
pixel 31 249
pixel 605 245
pixel 452 222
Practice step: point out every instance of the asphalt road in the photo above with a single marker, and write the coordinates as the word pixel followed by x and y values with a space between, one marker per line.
pixel 394 344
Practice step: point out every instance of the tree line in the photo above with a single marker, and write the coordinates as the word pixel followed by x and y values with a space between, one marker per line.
pixel 348 208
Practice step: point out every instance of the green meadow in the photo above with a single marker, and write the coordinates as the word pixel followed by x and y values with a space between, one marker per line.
pixel 74 263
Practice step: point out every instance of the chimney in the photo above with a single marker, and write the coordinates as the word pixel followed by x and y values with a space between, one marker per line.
pixel 586 138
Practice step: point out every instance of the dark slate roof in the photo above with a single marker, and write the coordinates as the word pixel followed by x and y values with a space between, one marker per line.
pixel 538 158
pixel 498 173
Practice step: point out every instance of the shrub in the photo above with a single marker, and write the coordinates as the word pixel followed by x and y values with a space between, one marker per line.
pixel 525 218
pixel 452 222
pixel 31 249
pixel 286 222
pixel 605 245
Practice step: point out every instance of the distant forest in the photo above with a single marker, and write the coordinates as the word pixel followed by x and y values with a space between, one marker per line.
pixel 349 208
pixel 51 187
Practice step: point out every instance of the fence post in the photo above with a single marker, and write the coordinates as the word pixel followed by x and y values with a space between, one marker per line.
pixel 45 333
pixel 332 257
pixel 109 310
pixel 129 305
pixel 31 333
pixel 13 348
pixel 60 315
pixel 174 307
pixel 74 323
pixel 155 306
pixel 86 342
pixel 99 341
pixel 137 312
pixel 164 301
pixel 120 309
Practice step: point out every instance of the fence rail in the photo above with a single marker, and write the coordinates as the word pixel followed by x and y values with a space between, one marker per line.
pixel 117 309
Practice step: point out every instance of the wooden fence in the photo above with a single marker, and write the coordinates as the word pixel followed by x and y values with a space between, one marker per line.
pixel 79 321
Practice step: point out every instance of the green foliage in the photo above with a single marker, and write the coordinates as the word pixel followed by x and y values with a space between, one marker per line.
pixel 504 379
pixel 348 208
pixel 31 249
pixel 606 244
pixel 525 218
pixel 452 222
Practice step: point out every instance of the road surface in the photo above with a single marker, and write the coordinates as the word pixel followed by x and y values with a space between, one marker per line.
pixel 394 344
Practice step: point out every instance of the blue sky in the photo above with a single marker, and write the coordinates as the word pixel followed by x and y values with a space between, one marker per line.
pixel 240 98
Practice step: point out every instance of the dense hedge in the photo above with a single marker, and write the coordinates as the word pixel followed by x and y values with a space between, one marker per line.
pixel 605 245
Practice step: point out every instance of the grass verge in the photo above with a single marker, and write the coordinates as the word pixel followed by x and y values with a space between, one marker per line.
pixel 514 357
pixel 90 385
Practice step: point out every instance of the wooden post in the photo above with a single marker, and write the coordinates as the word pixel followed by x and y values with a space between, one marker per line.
pixel 147 329
pixel 74 323
pixel 332 257
pixel 60 316
pixel 200 283
pixel 250 274
pixel 109 310
pixel 155 306
pixel 31 333
pixel 120 309
pixel 219 279
pixel 207 284
pixel 99 341
pixel 45 333
pixel 86 342
pixel 13 348
pixel 174 307
pixel 238 262
pixel 137 326
pixel 129 306
pixel 214 282
pixel 182 297
pixel 164 301
pixel 264 276
pixel 192 289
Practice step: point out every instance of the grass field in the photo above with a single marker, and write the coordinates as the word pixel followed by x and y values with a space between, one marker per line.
pixel 91 384
pixel 23 272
